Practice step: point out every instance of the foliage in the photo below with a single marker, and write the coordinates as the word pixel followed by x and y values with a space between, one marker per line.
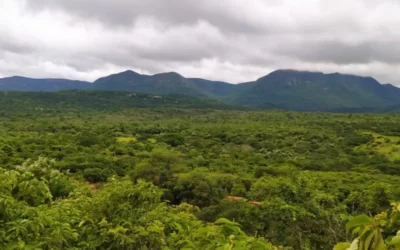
pixel 88 100
pixel 170 178
pixel 377 233
pixel 120 216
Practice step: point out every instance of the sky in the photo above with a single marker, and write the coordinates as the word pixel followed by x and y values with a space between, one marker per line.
pixel 227 40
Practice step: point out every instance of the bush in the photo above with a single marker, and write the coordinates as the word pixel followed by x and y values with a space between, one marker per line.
pixel 94 175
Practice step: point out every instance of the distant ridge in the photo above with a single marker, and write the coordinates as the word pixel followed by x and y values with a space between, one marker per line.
pixel 19 83
pixel 163 83
pixel 286 88
pixel 316 91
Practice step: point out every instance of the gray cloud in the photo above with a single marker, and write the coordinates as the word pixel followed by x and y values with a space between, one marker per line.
pixel 342 53
pixel 227 14
pixel 228 40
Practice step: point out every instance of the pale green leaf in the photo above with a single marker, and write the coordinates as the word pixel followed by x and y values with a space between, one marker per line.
pixel 361 220
pixel 342 246
pixel 223 221
pixel 395 240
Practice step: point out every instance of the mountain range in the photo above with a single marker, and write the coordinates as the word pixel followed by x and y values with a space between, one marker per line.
pixel 282 89
pixel 19 83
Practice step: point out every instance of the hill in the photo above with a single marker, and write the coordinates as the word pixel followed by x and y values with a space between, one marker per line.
pixel 315 91
pixel 164 83
pixel 170 83
pixel 18 83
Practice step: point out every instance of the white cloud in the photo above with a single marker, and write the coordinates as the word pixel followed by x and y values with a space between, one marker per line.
pixel 229 40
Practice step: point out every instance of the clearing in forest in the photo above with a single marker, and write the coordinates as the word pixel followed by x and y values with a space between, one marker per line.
pixel 126 139
pixel 389 146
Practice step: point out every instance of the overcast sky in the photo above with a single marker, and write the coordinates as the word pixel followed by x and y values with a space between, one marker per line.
pixel 230 40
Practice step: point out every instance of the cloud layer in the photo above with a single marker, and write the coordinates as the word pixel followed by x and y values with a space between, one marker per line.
pixel 229 40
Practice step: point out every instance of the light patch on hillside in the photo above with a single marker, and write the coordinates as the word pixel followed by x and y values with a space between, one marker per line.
pixel 126 139
pixel 389 146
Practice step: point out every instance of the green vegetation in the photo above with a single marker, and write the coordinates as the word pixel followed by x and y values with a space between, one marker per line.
pixel 388 146
pixel 80 175
pixel 126 139
pixel 40 208
pixel 378 232
pixel 95 101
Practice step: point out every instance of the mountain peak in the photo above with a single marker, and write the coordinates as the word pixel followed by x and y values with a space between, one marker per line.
pixel 306 90
pixel 169 74
pixel 16 77
pixel 128 72
pixel 163 83
pixel 281 75
pixel 294 71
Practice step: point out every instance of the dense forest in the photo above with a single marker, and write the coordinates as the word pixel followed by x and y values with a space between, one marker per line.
pixel 176 173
